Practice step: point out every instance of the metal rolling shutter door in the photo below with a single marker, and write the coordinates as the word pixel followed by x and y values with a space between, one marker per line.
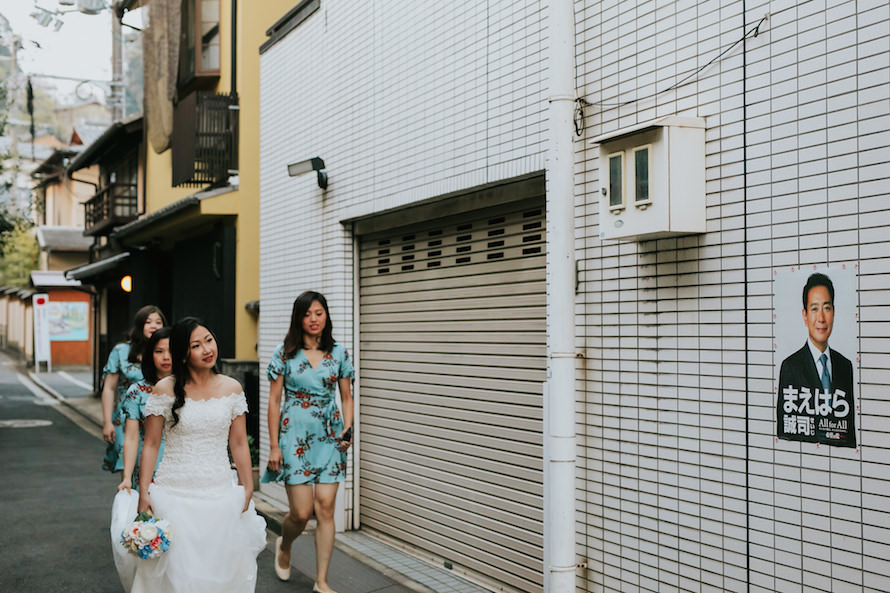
pixel 453 359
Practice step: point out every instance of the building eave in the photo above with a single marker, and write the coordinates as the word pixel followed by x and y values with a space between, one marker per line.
pixel 172 219
pixel 113 136
pixel 96 268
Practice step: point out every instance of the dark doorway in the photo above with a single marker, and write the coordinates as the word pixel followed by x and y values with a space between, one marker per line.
pixel 203 283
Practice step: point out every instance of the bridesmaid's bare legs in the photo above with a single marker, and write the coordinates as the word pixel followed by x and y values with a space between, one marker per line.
pixel 299 500
pixel 325 502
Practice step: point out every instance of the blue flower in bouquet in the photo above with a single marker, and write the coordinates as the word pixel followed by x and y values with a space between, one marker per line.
pixel 146 536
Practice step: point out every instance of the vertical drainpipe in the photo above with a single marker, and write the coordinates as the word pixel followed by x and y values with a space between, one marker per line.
pixel 234 51
pixel 559 416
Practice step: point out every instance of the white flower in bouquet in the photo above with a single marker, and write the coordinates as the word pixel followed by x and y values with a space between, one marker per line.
pixel 147 532
pixel 146 536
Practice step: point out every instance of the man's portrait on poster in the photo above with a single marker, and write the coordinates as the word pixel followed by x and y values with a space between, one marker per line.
pixel 815 400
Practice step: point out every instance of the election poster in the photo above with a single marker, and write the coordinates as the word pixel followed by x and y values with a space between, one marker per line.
pixel 816 341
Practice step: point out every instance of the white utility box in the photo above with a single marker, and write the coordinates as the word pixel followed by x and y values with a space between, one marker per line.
pixel 652 179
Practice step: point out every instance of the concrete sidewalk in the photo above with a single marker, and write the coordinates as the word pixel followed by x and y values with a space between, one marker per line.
pixel 361 563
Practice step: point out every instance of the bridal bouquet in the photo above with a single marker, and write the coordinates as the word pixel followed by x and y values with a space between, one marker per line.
pixel 146 536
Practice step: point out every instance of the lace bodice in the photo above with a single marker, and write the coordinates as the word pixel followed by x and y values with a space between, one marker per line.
pixel 196 460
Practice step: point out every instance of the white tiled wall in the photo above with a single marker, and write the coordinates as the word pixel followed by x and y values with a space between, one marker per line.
pixel 404 101
pixel 681 483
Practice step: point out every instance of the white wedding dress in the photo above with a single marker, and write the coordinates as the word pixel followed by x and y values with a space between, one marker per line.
pixel 215 545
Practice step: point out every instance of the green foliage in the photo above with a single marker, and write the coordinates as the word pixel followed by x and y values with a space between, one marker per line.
pixel 7 224
pixel 4 117
pixel 9 221
pixel 20 253
pixel 254 452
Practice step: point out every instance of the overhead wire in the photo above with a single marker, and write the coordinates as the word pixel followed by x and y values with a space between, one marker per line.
pixel 581 102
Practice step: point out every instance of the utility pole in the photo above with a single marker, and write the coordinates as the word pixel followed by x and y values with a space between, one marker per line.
pixel 117 68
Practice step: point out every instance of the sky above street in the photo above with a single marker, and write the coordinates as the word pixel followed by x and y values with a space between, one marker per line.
pixel 80 49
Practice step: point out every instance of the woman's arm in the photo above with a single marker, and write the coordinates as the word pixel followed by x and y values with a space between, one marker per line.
pixel 154 430
pixel 131 449
pixel 345 385
pixel 108 406
pixel 241 456
pixel 275 388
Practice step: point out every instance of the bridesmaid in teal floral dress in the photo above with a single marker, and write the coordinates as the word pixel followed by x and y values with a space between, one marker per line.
pixel 309 436
pixel 122 370
pixel 156 364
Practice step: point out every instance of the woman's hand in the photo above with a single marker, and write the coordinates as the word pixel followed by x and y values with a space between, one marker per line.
pixel 125 484
pixel 344 384
pixel 108 399
pixel 144 501
pixel 108 433
pixel 345 439
pixel 274 463
pixel 248 496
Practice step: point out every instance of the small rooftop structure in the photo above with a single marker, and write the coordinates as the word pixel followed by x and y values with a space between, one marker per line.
pixel 86 134
pixel 62 238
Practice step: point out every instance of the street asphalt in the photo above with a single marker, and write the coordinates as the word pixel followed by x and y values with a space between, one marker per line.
pixel 55 500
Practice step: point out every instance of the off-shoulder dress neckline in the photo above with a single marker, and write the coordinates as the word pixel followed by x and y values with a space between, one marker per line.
pixel 205 399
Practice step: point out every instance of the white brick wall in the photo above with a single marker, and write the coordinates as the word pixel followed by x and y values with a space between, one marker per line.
pixel 403 101
pixel 681 484
pixel 664 500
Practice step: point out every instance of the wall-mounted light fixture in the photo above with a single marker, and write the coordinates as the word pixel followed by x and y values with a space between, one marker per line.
pixel 313 164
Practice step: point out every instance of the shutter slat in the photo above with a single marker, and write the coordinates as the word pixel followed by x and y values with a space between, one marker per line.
pixel 522 307
pixel 386 388
pixel 538 362
pixel 372 334
pixel 415 299
pixel 479 349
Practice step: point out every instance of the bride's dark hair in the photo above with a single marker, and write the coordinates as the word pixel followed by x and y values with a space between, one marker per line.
pixel 180 339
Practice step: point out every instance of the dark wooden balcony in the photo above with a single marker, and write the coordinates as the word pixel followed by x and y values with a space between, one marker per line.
pixel 112 207
pixel 205 139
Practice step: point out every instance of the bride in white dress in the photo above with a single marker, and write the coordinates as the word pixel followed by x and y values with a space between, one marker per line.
pixel 217 533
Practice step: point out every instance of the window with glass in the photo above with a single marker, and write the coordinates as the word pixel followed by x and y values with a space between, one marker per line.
pixel 199 54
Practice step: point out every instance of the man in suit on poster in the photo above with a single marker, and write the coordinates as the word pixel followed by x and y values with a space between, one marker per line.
pixel 815 402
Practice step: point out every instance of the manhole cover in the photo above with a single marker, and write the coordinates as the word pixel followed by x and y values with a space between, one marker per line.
pixel 23 423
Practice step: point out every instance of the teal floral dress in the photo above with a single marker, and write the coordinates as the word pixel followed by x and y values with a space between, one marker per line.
pixel 128 374
pixel 310 417
pixel 133 408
